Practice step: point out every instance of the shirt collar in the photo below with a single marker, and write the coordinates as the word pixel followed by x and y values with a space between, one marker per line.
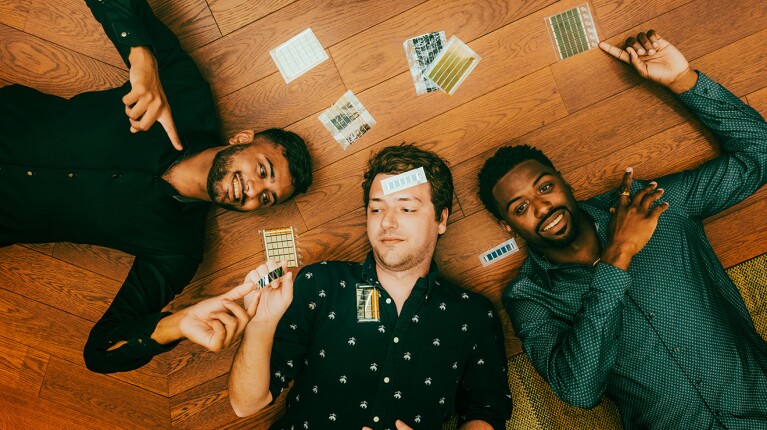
pixel 429 281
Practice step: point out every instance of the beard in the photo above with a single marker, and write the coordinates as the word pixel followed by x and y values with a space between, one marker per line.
pixel 220 169
pixel 399 259
pixel 558 242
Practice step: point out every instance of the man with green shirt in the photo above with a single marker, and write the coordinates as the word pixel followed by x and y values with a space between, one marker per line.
pixel 622 295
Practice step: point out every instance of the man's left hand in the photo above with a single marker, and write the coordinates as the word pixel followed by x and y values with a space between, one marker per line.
pixel 146 102
pixel 655 59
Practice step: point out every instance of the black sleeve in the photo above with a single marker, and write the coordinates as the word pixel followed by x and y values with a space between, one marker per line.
pixel 133 315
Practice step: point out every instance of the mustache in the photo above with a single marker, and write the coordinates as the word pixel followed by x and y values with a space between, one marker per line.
pixel 549 215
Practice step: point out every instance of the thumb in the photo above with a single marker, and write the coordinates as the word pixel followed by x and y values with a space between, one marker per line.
pixel 238 292
pixel 166 119
pixel 636 62
pixel 401 425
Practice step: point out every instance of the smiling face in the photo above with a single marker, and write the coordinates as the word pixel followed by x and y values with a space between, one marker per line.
pixel 537 204
pixel 248 176
pixel 403 227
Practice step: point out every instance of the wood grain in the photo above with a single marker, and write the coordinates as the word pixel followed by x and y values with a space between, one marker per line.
pixel 741 235
pixel 190 20
pixel 108 262
pixel 51 69
pixel 21 368
pixel 43 248
pixel 699 36
pixel 103 397
pixel 614 16
pixel 243 57
pixel 377 54
pixel 21 411
pixel 231 15
pixel 14 13
pixel 758 101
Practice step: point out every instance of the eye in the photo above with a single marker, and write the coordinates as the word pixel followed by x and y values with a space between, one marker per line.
pixel 265 198
pixel 520 209
pixel 262 171
pixel 547 187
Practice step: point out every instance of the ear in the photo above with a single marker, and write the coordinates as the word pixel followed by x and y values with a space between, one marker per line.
pixel 504 225
pixel 443 221
pixel 245 136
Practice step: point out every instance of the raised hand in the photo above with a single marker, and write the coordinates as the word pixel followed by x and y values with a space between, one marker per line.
pixel 215 323
pixel 399 424
pixel 275 297
pixel 656 59
pixel 146 102
pixel 633 222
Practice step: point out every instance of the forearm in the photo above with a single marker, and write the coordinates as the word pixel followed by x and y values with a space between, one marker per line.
pixel 475 425
pixel 250 375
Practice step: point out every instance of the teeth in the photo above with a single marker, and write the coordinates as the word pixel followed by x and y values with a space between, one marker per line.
pixel 236 187
pixel 554 223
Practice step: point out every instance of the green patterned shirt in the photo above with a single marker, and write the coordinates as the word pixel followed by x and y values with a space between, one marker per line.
pixel 670 341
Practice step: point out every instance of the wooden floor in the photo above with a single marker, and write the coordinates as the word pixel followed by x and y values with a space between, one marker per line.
pixel 589 113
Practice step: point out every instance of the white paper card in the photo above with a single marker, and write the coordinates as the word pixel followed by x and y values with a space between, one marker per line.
pixel 298 55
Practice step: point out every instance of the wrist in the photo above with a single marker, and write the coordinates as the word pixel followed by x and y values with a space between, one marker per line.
pixel 617 256
pixel 140 55
pixel 168 329
pixel 684 82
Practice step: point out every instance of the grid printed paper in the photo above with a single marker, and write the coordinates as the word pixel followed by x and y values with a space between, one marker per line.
pixel 452 65
pixel 280 244
pixel 399 182
pixel 420 52
pixel 501 251
pixel 572 31
pixel 347 120
pixel 298 55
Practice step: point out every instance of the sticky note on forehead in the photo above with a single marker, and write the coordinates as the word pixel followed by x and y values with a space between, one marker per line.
pixel 403 181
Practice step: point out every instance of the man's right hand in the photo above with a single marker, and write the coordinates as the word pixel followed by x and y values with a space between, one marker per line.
pixel 146 101
pixel 633 222
pixel 275 297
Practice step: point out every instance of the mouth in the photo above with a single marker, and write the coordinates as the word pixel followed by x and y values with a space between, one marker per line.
pixel 237 187
pixel 391 241
pixel 553 221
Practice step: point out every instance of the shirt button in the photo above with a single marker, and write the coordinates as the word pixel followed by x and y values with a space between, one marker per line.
pixel 29 173
pixel 676 350
pixel 651 315
pixel 71 175
pixel 396 339
pixel 388 301
pixel 116 176
pixel 386 380
pixel 123 34
pixel 698 381
pixel 376 419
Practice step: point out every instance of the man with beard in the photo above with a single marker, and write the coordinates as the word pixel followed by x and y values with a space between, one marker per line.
pixel 78 170
pixel 386 343
pixel 622 295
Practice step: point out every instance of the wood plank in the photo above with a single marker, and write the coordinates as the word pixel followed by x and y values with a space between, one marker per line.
pixel 614 16
pixel 70 24
pixel 271 103
pixel 107 262
pixel 592 76
pixel 231 15
pixel 234 236
pixel 21 411
pixel 758 101
pixel 4 83
pixel 740 235
pixel 190 20
pixel 43 248
pixel 51 69
pixel 21 368
pixel 103 397
pixel 14 13
pixel 55 283
pixel 376 54
pixel 459 134
pixel 243 57
pixel 207 407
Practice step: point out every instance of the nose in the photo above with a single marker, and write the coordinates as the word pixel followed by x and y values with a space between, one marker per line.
pixel 542 207
pixel 389 220
pixel 250 188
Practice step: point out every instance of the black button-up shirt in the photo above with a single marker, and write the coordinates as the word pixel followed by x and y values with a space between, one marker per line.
pixel 442 355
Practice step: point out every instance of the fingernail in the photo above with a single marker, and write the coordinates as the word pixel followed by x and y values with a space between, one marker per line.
pixel 629 169
pixel 653 183
pixel 655 44
pixel 640 51
pixel 659 189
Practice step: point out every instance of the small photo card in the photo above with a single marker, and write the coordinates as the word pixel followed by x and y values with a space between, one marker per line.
pixel 402 181
pixel 298 55
pixel 452 65
pixel 501 251
pixel 280 244
pixel 368 308
pixel 420 52
pixel 572 31
pixel 347 120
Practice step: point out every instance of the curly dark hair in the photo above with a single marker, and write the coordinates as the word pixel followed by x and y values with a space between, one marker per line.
pixel 295 151
pixel 497 166
pixel 399 159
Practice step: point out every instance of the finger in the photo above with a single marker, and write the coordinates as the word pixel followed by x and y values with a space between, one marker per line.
pixel 148 119
pixel 136 111
pixel 242 316
pixel 625 187
pixel 230 325
pixel 651 198
pixel 639 196
pixel 255 300
pixel 654 38
pixel 632 42
pixel 131 98
pixel 645 43
pixel 217 338
pixel 615 51
pixel 659 209
pixel 139 125
pixel 239 291
pixel 637 62
pixel 166 120
pixel 286 292
pixel 401 425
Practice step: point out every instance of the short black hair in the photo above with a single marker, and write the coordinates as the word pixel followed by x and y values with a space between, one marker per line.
pixel 295 151
pixel 497 166
pixel 399 159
